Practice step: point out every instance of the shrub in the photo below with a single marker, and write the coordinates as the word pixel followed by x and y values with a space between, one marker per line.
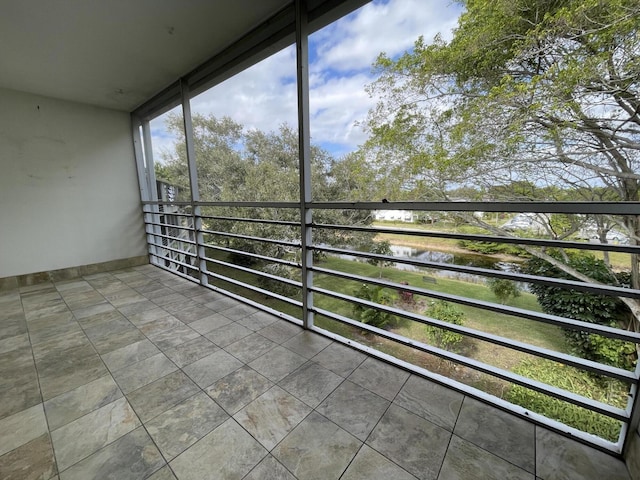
pixel 277 286
pixel 369 315
pixel 503 289
pixel 573 380
pixel 585 306
pixel 446 312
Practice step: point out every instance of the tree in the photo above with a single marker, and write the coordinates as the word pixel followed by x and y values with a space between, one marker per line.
pixel 380 248
pixel 503 289
pixel 542 92
pixel 236 165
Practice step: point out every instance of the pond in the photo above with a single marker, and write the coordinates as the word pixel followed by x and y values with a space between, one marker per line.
pixel 470 260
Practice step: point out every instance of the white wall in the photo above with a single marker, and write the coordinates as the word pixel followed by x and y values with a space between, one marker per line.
pixel 68 187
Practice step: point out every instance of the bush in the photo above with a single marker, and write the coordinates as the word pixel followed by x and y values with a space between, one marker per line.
pixel 573 380
pixel 277 286
pixel 446 312
pixel 585 306
pixel 372 316
pixel 503 289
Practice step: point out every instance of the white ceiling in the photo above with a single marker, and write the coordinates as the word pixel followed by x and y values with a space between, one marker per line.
pixel 116 53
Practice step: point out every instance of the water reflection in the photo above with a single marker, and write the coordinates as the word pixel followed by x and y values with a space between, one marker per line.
pixel 468 260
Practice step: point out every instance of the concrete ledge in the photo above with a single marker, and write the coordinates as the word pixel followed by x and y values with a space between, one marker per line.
pixel 7 283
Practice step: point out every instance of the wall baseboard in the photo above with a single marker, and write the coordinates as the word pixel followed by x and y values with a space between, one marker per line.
pixel 70 273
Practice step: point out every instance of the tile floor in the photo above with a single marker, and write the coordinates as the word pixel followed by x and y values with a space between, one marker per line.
pixel 139 374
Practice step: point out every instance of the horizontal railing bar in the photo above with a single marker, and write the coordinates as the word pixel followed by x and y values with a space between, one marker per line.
pixel 166 204
pixel 169 237
pixel 493 307
pixel 253 255
pixel 227 204
pixel 255 239
pixel 260 273
pixel 518 277
pixel 175 272
pixel 252 288
pixel 173 260
pixel 249 204
pixel 237 297
pixel 259 306
pixel 184 252
pixel 579 400
pixel 602 208
pixel 252 220
pixel 589 365
pixel 457 386
pixel 168 225
pixel 486 238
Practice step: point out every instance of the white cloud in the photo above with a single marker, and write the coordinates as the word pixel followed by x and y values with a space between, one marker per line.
pixel 264 96
pixel 261 97
pixel 354 42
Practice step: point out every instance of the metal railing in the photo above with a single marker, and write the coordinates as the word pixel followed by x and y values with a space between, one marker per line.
pixel 259 261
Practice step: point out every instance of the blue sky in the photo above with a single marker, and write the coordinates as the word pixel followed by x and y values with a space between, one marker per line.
pixel 341 55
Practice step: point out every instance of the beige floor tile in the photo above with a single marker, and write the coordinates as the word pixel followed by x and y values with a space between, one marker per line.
pixel 159 396
pixel 498 432
pixel 238 389
pixel 183 425
pixel 416 445
pixel 89 433
pixel 142 373
pixel 317 449
pixel 131 457
pixel 32 461
pixel 212 368
pixel 561 458
pixel 433 402
pixel 370 465
pixel 311 383
pixel 228 452
pixel 21 428
pixel 379 377
pixel 271 416
pixel 354 408
pixel 74 404
pixel 466 461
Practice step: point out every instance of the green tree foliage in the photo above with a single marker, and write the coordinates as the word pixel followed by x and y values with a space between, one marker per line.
pixel 369 315
pixel 446 312
pixel 380 248
pixel 542 93
pixel 573 380
pixel 587 307
pixel 277 286
pixel 503 289
pixel 239 165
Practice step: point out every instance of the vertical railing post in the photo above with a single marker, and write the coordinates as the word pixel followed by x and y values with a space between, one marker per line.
pixel 629 430
pixel 193 181
pixel 304 152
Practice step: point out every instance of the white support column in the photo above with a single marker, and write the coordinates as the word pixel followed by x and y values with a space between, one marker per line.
pixel 151 180
pixel 304 152
pixel 193 181
pixel 143 178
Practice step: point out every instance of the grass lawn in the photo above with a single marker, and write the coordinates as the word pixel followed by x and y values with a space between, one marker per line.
pixel 515 328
